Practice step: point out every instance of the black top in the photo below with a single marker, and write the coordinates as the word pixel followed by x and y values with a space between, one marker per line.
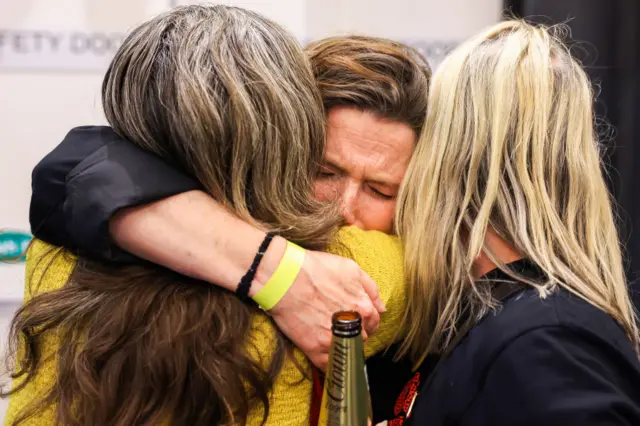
pixel 94 173
pixel 554 361
pixel 91 175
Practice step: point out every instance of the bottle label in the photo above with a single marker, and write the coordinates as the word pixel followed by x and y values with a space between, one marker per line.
pixel 336 409
pixel 346 399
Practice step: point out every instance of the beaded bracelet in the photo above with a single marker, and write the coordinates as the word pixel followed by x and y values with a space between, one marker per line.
pixel 245 282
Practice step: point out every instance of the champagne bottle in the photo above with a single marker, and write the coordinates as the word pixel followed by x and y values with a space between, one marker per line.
pixel 345 398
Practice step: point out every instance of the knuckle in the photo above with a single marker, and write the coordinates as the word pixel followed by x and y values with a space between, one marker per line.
pixel 375 290
pixel 315 347
pixel 366 309
pixel 351 265
pixel 376 321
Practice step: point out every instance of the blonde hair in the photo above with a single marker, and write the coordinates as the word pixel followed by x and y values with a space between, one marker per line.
pixel 508 145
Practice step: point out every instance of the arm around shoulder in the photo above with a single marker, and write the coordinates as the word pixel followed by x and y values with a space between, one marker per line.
pixel 86 179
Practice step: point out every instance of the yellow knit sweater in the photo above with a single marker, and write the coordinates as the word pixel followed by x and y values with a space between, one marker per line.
pixel 380 255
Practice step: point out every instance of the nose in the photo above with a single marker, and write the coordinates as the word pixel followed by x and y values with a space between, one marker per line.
pixel 349 203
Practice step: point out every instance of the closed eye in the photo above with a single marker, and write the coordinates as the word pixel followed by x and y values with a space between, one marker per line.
pixel 325 174
pixel 381 194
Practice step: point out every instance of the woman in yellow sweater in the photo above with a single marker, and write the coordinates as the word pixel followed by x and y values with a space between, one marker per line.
pixel 106 345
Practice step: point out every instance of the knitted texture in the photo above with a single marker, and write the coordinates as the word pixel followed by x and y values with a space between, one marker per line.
pixel 378 254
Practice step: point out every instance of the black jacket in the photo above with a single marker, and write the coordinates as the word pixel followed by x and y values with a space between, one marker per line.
pixel 91 175
pixel 557 361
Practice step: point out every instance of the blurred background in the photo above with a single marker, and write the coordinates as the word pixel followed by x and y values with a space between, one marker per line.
pixel 53 55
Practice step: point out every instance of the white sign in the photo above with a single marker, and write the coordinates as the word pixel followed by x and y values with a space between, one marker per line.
pixel 91 51
pixel 57 50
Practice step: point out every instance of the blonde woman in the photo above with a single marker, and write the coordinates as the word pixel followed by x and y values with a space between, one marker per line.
pixel 512 257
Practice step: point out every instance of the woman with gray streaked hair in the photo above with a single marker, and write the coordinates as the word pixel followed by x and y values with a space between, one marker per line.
pixel 228 96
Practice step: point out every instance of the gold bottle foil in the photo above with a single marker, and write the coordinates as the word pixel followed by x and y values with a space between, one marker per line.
pixel 345 399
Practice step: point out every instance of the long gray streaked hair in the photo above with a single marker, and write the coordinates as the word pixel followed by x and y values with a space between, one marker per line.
pixel 229 96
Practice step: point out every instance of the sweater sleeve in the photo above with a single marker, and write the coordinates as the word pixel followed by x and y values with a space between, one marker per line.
pixel 47 268
pixel 381 256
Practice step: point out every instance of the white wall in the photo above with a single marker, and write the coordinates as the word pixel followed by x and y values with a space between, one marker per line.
pixel 38 106
pixel 44 91
pixel 402 19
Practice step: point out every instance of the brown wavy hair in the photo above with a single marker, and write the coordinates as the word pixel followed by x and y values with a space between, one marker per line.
pixel 374 74
pixel 228 96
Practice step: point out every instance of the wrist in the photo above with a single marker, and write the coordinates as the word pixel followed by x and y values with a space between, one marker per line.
pixel 282 279
pixel 270 262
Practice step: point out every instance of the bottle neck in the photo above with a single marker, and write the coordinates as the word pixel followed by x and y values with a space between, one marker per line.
pixel 345 398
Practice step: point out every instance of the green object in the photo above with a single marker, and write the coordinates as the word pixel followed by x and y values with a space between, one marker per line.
pixel 14 245
pixel 345 399
pixel 282 278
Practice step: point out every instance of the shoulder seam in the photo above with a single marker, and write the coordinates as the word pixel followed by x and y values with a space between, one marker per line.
pixel 81 165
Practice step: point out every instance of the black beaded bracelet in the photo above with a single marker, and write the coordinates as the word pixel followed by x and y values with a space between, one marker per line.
pixel 245 282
